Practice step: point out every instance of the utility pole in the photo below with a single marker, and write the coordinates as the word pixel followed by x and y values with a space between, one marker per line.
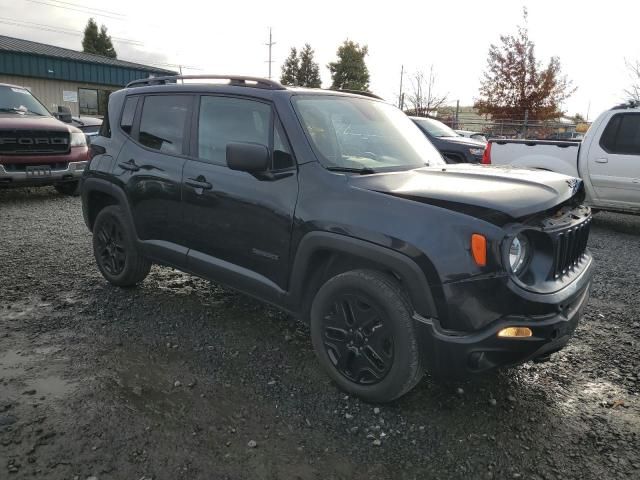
pixel 457 113
pixel 400 95
pixel 270 44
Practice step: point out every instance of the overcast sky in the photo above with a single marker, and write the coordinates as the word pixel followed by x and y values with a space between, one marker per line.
pixel 591 39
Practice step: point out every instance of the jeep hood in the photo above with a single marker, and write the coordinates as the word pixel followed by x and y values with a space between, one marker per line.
pixel 476 189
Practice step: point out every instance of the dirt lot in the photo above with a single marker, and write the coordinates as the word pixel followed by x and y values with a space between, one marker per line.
pixel 181 379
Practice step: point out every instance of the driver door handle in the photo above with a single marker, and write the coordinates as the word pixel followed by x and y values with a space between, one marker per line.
pixel 130 165
pixel 602 160
pixel 199 182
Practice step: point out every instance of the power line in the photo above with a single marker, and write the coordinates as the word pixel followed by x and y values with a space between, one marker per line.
pixel 109 12
pixel 80 9
pixel 67 31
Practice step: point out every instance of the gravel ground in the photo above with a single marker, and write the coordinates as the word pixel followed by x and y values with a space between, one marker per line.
pixel 182 379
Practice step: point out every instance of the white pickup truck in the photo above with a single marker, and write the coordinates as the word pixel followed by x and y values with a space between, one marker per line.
pixel 607 160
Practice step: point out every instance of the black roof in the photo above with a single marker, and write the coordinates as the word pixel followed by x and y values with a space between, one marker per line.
pixel 18 45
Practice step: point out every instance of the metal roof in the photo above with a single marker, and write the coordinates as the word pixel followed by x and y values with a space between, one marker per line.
pixel 18 45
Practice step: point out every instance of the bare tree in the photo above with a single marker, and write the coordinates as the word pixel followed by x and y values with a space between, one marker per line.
pixel 423 97
pixel 633 92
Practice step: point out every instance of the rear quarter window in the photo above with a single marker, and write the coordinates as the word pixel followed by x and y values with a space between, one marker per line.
pixel 128 114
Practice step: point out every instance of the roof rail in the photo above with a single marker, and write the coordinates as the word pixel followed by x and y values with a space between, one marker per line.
pixel 357 92
pixel 236 80
pixel 628 104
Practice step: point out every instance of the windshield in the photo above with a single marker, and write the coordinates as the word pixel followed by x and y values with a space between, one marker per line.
pixel 20 100
pixel 362 134
pixel 435 128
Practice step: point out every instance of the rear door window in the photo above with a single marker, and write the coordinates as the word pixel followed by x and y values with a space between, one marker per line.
pixel 622 134
pixel 163 123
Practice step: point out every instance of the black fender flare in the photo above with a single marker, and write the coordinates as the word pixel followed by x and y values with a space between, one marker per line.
pixel 412 276
pixel 92 184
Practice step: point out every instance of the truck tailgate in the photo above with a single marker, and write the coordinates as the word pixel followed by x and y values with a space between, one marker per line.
pixel 556 156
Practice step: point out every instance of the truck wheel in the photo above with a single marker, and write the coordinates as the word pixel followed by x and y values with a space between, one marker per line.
pixel 363 334
pixel 115 250
pixel 71 189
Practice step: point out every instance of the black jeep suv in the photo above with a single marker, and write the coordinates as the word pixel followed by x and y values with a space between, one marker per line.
pixel 334 206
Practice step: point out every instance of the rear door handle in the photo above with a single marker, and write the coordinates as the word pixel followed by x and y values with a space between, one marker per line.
pixel 130 165
pixel 199 182
pixel 602 160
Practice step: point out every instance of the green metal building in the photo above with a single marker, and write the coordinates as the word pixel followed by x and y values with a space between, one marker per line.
pixel 59 76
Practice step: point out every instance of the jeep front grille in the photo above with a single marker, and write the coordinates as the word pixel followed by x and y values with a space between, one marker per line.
pixel 33 142
pixel 570 247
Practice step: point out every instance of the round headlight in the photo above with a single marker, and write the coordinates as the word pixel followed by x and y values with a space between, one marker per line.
pixel 519 253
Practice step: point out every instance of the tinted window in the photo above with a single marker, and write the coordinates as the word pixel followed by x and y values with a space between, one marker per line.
pixel 622 134
pixel 435 128
pixel 128 112
pixel 226 120
pixel 162 123
pixel 105 128
pixel 92 101
pixel 282 157
pixel 88 101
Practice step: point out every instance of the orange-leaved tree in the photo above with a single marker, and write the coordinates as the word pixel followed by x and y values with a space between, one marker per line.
pixel 515 84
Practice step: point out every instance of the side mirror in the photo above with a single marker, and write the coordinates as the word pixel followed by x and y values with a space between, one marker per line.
pixel 248 157
pixel 63 114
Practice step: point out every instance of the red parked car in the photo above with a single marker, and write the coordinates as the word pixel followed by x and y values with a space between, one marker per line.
pixel 36 148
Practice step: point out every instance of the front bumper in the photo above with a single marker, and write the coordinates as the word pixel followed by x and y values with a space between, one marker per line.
pixel 42 175
pixel 453 355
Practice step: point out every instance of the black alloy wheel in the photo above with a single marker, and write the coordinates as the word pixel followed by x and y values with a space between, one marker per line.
pixel 110 246
pixel 364 335
pixel 356 339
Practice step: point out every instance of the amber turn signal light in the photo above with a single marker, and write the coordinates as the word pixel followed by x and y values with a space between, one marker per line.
pixel 513 332
pixel 479 249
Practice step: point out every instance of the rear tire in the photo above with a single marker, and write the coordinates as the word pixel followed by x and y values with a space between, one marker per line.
pixel 364 336
pixel 71 189
pixel 115 250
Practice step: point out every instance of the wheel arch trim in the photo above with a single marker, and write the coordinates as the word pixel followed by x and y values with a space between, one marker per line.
pixel 412 276
pixel 91 185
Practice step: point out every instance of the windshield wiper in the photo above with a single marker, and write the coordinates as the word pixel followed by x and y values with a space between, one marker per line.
pixel 361 171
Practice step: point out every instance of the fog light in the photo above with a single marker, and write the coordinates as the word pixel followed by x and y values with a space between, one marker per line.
pixel 512 332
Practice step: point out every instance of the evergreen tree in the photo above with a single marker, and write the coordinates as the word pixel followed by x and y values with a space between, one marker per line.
pixel 350 71
pixel 290 69
pixel 104 43
pixel 97 41
pixel 90 40
pixel 309 72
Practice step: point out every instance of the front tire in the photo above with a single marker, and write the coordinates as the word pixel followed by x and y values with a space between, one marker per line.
pixel 71 189
pixel 115 251
pixel 364 336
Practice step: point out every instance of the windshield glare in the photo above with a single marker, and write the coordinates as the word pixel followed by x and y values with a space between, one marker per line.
pixel 351 132
pixel 435 128
pixel 20 100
